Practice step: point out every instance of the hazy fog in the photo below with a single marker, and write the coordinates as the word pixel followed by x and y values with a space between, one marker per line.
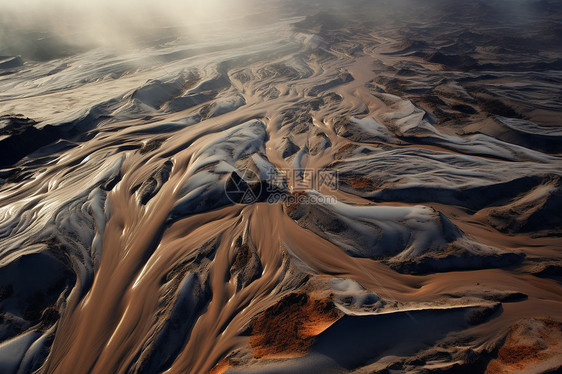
pixel 39 29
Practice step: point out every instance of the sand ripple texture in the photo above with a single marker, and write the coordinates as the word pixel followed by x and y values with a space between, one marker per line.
pixel 121 252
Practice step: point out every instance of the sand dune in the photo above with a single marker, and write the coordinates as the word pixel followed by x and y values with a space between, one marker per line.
pixel 325 187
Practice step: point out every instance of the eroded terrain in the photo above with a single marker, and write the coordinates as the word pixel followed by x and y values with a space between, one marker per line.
pixel 440 251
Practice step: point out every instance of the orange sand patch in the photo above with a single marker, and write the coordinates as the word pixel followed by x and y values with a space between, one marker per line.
pixel 221 367
pixel 520 353
pixel 516 355
pixel 288 328
pixel 360 183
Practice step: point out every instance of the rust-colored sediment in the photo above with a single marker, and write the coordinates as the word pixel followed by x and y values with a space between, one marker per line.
pixel 518 355
pixel 221 367
pixel 360 183
pixel 288 328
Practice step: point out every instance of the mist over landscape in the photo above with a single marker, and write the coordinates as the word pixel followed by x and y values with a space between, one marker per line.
pixel 281 186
